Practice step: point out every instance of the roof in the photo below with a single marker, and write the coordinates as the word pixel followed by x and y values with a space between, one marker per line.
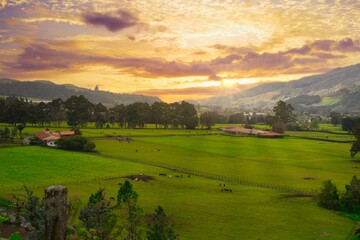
pixel 49 136
pixel 66 133
pixel 42 135
pixel 243 130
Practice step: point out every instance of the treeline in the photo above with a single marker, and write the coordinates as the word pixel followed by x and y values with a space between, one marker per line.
pixel 347 123
pixel 78 111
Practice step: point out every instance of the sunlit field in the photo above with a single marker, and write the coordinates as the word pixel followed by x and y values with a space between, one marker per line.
pixel 195 204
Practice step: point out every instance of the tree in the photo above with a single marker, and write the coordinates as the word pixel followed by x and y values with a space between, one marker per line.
pixel 118 114
pixel 348 123
pixel 160 228
pixel 208 119
pixel 188 115
pixel 126 192
pixel 98 216
pixel 78 111
pixel 355 148
pixel 128 196
pixel 284 112
pixel 160 112
pixel 75 143
pixel 350 202
pixel 15 111
pixel 99 115
pixel 328 196
pixel 335 118
pixel 2 110
pixel 237 118
pixel 20 127
pixel 56 111
pixel 138 114
pixel 314 124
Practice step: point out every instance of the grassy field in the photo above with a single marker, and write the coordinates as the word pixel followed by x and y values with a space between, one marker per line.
pixel 92 132
pixel 324 136
pixel 196 205
pixel 285 161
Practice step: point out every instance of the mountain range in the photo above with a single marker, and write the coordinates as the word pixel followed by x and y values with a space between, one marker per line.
pixel 46 90
pixel 336 90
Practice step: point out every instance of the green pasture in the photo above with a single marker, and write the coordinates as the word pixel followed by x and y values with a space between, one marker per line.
pixel 320 135
pixel 331 128
pixel 327 101
pixel 196 205
pixel 286 161
pixel 92 132
pixel 41 166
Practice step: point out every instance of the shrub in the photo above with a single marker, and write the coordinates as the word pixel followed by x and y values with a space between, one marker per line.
pixel 350 202
pixel 160 228
pixel 75 143
pixel 328 196
pixel 98 216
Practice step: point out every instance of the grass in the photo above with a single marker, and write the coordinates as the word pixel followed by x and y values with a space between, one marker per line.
pixel 92 132
pixel 196 205
pixel 38 166
pixel 327 101
pixel 320 135
pixel 246 158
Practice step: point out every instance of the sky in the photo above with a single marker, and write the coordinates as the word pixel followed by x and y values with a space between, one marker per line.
pixel 176 49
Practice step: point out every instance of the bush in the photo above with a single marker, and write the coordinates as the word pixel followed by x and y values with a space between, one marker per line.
pixel 89 146
pixel 75 143
pixel 350 202
pixel 328 196
pixel 160 228
pixel 98 216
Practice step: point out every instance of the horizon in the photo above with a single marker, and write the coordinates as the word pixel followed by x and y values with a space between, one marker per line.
pixel 176 50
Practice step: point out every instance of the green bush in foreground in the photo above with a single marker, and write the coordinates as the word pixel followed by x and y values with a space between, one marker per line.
pixel 328 196
pixel 349 202
pixel 99 218
pixel 160 228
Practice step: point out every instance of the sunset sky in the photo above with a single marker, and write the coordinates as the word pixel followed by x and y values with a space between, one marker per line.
pixel 176 49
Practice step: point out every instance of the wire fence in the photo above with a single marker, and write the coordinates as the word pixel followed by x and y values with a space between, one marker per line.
pixel 213 176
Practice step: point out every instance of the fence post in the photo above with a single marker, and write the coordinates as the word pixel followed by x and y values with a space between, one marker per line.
pixel 55 213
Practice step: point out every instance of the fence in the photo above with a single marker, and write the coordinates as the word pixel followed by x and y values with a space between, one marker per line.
pixel 213 176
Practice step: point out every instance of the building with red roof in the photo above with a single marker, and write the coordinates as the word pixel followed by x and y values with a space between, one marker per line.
pixel 49 138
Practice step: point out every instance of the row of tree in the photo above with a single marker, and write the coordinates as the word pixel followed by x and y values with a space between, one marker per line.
pixel 78 111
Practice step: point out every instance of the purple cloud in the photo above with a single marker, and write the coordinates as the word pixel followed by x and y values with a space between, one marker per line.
pixel 113 22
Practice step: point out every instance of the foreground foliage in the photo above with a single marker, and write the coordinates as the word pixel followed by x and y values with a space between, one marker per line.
pixel 99 219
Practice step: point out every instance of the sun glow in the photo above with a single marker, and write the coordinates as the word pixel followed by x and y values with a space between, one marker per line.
pixel 242 81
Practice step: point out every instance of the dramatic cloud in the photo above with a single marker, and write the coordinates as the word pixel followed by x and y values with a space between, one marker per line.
pixel 36 57
pixel 47 56
pixel 153 44
pixel 112 21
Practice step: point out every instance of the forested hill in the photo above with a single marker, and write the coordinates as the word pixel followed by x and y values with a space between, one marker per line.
pixel 46 90
pixel 336 90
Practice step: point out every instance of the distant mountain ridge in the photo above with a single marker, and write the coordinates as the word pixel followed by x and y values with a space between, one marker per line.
pixel 47 90
pixel 336 90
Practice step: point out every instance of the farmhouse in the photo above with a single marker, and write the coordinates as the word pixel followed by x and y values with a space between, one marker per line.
pixel 254 132
pixel 49 138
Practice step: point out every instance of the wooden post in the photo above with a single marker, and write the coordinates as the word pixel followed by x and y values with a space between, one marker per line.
pixel 55 213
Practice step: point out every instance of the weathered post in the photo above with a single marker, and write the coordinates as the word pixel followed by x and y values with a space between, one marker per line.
pixel 55 213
